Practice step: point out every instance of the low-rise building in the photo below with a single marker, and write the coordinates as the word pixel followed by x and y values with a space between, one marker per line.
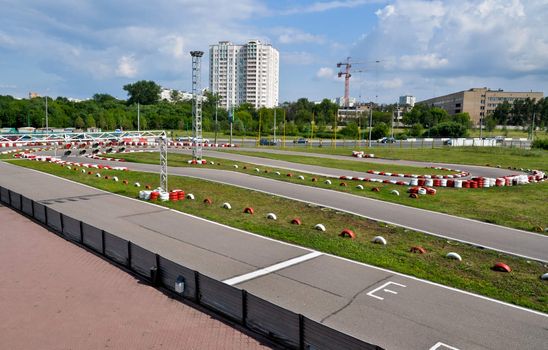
pixel 478 102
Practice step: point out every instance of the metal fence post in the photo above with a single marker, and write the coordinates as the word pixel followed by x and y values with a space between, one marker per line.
pixel 103 242
pixel 129 254
pixel 301 332
pixel 244 307
pixel 197 286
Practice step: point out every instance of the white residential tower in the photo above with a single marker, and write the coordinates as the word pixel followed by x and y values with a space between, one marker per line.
pixel 246 73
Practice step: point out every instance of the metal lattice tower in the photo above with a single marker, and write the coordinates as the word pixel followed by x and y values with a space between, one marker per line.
pixel 197 105
pixel 163 161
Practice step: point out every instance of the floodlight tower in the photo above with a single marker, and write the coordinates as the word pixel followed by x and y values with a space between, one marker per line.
pixel 197 105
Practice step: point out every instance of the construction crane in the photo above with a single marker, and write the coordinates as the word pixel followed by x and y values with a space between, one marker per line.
pixel 346 73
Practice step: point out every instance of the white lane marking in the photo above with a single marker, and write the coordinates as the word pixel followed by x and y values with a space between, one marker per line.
pixel 372 293
pixel 538 313
pixel 445 346
pixel 248 276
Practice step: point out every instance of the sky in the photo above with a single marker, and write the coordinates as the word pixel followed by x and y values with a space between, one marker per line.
pixel 76 48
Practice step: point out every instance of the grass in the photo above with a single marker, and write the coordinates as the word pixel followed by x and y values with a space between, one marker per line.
pixel 521 287
pixel 345 165
pixel 522 207
pixel 492 156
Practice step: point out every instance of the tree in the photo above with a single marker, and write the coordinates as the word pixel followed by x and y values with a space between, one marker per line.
pixel 379 131
pixel 416 130
pixel 490 123
pixel 79 123
pixel 449 129
pixel 90 121
pixel 145 92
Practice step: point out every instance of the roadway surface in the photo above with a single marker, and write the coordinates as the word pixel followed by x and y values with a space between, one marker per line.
pixel 508 240
pixel 379 306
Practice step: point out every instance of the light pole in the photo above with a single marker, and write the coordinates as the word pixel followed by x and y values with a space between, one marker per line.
pixel 47 128
pixel 481 127
pixel 216 125
pixel 138 118
pixel 274 124
pixel 370 122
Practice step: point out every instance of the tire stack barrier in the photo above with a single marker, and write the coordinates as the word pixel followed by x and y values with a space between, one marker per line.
pixel 280 325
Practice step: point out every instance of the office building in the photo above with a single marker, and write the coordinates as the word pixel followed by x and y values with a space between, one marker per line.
pixel 247 73
pixel 407 101
pixel 478 102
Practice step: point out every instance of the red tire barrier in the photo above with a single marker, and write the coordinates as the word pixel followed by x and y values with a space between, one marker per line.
pixel 90 172
pixel 314 179
pixel 249 210
pixel 502 267
pixel 125 182
pixel 154 195
pixel 266 171
pixel 346 233
pixel 376 189
pixel 106 177
pixel 173 196
pixel 208 201
pixel 245 167
pixel 343 184
pixel 414 195
pixel 148 187
pixel 289 174
pixel 418 250
pixel 296 221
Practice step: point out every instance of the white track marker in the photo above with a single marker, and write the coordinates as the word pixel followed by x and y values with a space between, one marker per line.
pixel 248 276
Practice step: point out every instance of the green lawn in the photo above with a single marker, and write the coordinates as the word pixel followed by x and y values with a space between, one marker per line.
pixel 522 207
pixel 521 287
pixel 492 156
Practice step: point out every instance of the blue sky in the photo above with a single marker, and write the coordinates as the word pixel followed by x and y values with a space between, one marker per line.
pixel 76 48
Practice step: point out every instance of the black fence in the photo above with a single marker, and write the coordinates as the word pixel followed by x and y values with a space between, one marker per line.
pixel 276 323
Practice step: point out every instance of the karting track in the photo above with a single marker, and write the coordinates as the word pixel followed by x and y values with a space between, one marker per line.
pixel 379 306
pixel 500 238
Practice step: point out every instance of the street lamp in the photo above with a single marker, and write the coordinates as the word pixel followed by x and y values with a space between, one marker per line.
pixel 47 128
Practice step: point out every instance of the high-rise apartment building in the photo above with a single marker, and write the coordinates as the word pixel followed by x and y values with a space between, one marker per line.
pixel 407 100
pixel 478 102
pixel 246 73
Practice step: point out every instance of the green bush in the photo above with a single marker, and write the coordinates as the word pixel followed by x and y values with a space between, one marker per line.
pixel 540 144
pixel 448 129
pixel 379 131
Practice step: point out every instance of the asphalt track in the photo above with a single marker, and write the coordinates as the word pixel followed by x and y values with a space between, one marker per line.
pixel 379 306
pixel 500 238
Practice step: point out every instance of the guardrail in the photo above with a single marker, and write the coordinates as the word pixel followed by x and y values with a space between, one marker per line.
pixel 283 326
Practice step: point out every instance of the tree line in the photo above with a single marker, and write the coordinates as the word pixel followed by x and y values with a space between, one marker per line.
pixel 301 117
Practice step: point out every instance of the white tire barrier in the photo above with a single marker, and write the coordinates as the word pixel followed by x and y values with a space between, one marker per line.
pixel 257 170
pixel 84 171
pixel 453 255
pixel 327 182
pixel 235 166
pixel 379 240
pixel 301 177
pixel 190 196
pixel 227 205
pixel 544 277
pixel 395 192
pixel 164 196
pixel 359 187
pixel 277 173
pixel 320 227
pixel 115 179
pixel 271 216
pixel 97 175
pixel 137 184
pixel 422 191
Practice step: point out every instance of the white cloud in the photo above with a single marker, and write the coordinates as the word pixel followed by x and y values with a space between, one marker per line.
pixel 321 6
pixel 126 67
pixel 295 36
pixel 297 57
pixel 472 42
pixel 394 83
pixel 325 73
pixel 427 61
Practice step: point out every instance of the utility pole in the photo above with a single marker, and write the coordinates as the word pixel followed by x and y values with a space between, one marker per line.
pixel 370 122
pixel 274 124
pixel 47 127
pixel 197 105
pixel 216 122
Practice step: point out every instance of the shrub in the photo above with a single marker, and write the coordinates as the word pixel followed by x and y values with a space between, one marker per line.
pixel 540 144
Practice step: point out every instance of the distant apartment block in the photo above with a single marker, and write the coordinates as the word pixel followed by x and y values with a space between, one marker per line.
pixel 407 100
pixel 247 73
pixel 167 94
pixel 478 102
